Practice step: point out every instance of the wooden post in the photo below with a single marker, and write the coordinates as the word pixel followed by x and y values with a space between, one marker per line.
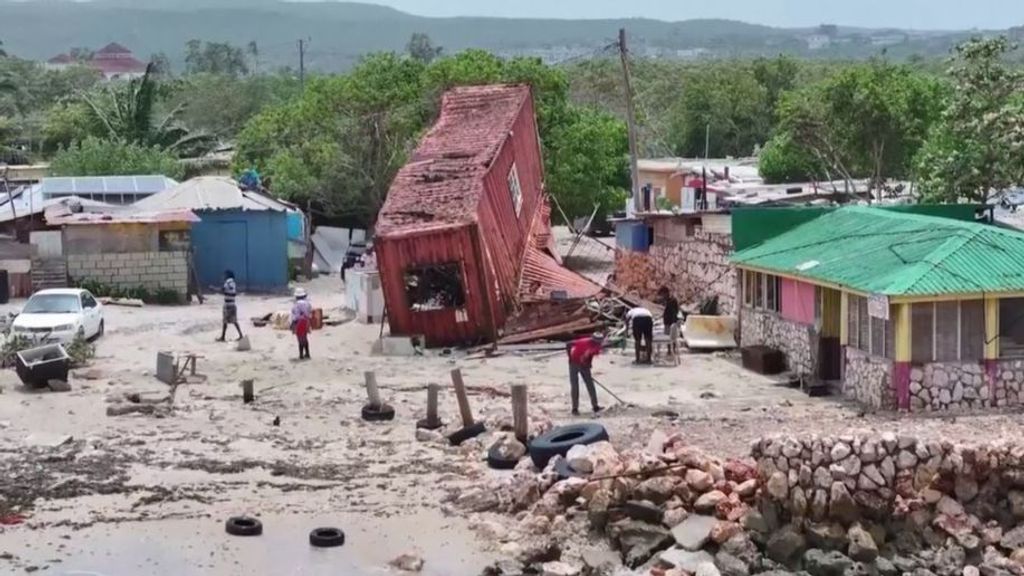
pixel 520 414
pixel 372 392
pixel 432 417
pixel 462 397
pixel 247 393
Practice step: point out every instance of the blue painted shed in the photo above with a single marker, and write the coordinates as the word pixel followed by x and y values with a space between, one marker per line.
pixel 239 230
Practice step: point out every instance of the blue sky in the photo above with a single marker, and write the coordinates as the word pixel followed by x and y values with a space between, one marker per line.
pixel 919 14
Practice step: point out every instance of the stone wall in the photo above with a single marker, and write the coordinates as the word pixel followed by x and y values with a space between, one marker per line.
pixel 888 477
pixel 694 268
pixel 796 341
pixel 151 270
pixel 868 379
pixel 956 386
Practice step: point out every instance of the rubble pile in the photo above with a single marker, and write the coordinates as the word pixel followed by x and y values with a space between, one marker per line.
pixel 845 506
pixel 669 498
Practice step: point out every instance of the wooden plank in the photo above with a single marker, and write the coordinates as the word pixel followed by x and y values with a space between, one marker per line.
pixel 520 414
pixel 462 398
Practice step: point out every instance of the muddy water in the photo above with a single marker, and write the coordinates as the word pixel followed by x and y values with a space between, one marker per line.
pixel 186 547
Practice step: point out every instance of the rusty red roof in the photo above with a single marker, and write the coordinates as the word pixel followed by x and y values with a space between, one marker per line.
pixel 442 184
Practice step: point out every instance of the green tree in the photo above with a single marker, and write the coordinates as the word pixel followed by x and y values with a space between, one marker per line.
pixel 722 109
pixel 421 48
pixel 215 58
pixel 161 64
pixel 95 157
pixel 777 76
pixel 126 112
pixel 867 121
pixel 66 124
pixel 975 150
pixel 591 166
pixel 783 161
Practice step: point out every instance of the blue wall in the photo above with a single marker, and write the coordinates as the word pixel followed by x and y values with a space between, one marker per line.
pixel 632 236
pixel 252 244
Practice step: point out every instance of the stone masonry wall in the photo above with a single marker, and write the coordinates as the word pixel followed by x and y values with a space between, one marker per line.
pixel 915 492
pixel 868 379
pixel 796 341
pixel 956 386
pixel 152 270
pixel 694 268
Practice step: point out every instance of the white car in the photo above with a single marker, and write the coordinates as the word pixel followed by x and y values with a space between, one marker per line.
pixel 59 315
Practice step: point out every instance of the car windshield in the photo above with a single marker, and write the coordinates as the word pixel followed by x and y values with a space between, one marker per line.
pixel 52 304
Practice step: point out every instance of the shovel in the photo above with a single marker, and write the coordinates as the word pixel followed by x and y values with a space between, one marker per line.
pixel 613 394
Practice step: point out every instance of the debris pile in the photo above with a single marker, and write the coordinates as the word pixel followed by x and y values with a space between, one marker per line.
pixel 660 505
pixel 846 506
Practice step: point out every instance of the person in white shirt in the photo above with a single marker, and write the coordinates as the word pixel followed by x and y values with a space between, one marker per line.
pixel 641 321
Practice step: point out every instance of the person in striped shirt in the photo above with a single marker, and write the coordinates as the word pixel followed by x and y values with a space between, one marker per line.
pixel 230 312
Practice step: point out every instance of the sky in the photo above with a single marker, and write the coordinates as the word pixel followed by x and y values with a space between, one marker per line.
pixel 916 14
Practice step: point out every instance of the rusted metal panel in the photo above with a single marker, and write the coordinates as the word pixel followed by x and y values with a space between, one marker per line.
pixel 440 327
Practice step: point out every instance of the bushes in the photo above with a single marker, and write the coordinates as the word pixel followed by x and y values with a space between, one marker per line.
pixel 163 296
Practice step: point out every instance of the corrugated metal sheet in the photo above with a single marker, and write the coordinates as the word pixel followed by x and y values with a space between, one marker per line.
pixel 210 193
pixel 61 216
pixel 443 184
pixel 889 252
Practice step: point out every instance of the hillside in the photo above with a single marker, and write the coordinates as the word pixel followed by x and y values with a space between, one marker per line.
pixel 341 32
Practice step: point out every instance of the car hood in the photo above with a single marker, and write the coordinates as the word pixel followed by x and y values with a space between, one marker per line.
pixel 45 320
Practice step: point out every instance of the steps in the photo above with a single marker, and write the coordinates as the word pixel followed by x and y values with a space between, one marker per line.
pixel 49 273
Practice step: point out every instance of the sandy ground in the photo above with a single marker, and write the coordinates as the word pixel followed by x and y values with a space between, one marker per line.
pixel 138 494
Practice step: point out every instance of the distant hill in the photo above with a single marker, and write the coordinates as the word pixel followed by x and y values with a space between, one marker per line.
pixel 341 32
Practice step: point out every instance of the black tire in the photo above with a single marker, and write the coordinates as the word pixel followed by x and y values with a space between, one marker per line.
pixel 425 425
pixel 495 461
pixel 382 413
pixel 466 433
pixel 326 537
pixel 243 526
pixel 558 441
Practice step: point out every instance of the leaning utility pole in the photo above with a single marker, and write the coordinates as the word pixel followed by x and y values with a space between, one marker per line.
pixel 302 64
pixel 630 123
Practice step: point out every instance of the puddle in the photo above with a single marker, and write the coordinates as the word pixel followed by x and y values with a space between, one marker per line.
pixel 176 547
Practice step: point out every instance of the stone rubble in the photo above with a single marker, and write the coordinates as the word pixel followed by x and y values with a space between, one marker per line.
pixel 830 506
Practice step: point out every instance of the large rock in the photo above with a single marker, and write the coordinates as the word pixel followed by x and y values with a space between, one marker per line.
pixel 560 569
pixel 694 532
pixel 482 500
pixel 827 536
pixel 1013 539
pixel 966 488
pixel 786 545
pixel 637 541
pixel 742 547
pixel 600 458
pixel 746 489
pixel 949 507
pixel 1016 499
pixel 842 508
pixel 408 563
pixel 707 569
pixel 659 489
pixel 643 510
pixel 508 448
pixel 686 560
pixel 821 563
pixel 862 545
pixel 778 486
pixel 708 503
pixel 730 565
pixel 840 451
pixel 699 481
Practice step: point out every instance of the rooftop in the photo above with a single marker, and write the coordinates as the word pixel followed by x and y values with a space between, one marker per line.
pixel 210 193
pixel 879 251
pixel 442 183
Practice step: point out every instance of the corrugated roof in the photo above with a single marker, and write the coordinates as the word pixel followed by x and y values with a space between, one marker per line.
pixel 443 182
pixel 60 216
pixel 31 202
pixel 879 251
pixel 210 193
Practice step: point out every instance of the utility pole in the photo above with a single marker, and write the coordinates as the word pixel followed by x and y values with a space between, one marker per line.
pixel 302 64
pixel 630 122
pixel 707 141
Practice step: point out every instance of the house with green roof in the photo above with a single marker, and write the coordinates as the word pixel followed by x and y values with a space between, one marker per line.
pixel 906 311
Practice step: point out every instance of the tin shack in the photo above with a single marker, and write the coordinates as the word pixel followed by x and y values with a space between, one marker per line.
pixel 459 219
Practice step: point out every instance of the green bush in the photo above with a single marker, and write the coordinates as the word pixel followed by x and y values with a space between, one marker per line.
pixel 164 296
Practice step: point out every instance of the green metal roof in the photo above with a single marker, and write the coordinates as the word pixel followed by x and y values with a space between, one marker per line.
pixel 878 251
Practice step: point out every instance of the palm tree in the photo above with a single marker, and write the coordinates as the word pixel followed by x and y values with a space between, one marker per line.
pixel 127 113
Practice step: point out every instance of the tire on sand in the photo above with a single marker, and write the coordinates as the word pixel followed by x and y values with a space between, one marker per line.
pixel 243 526
pixel 382 413
pixel 558 441
pixel 326 537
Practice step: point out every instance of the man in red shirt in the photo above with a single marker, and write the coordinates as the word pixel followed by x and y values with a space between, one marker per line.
pixel 581 358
